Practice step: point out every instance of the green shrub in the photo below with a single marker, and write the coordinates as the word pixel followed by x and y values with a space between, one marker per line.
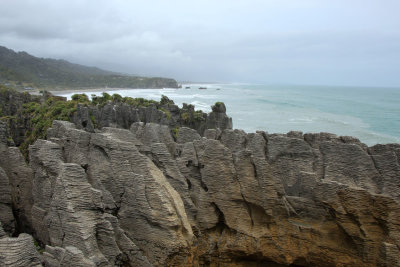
pixel 198 115
pixel 167 113
pixel 41 118
pixel 165 100
pixel 92 118
pixel 81 98
pixel 185 116
pixel 141 102
pixel 116 98
pixel 175 132
pixel 101 100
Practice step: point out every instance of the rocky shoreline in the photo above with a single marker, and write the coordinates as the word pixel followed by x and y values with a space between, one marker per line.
pixel 130 191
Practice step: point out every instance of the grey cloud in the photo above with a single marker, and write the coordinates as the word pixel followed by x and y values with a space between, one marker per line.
pixel 309 41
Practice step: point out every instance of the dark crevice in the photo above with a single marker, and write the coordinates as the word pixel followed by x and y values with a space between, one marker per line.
pixel 323 166
pixel 255 172
pixel 248 208
pixel 378 183
pixel 383 225
pixel 102 150
pixel 189 163
pixel 189 184
pixel 221 224
pixel 115 211
pixel 85 167
pixel 264 135
pixel 351 242
pixel 356 221
pixel 203 185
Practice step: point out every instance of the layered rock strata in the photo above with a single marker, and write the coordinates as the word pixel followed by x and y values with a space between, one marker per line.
pixel 142 197
pixel 239 199
pixel 122 115
pixel 18 251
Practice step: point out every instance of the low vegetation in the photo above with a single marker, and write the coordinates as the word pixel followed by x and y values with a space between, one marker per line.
pixel 41 117
pixel 36 114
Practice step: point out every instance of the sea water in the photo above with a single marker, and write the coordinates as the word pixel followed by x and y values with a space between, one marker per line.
pixel 370 114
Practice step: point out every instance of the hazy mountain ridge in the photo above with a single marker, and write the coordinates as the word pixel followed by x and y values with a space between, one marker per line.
pixel 20 69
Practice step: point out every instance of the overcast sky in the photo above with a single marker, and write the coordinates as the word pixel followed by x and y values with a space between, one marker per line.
pixel 333 42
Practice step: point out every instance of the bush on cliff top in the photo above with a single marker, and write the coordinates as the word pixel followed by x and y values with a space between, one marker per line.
pixel 41 117
pixel 37 117
pixel 136 102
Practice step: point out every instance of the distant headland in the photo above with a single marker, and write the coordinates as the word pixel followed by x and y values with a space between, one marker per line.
pixel 23 71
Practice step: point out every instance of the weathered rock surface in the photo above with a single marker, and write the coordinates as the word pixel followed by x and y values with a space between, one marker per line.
pixel 15 185
pixel 122 115
pixel 77 204
pixel 217 119
pixel 69 256
pixel 19 252
pixel 6 215
pixel 138 198
pixel 2 233
pixel 187 135
pixel 232 199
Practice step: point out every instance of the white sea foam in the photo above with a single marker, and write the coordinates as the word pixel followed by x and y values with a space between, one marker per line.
pixel 369 114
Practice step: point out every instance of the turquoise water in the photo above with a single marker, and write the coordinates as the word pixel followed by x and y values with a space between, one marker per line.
pixel 370 114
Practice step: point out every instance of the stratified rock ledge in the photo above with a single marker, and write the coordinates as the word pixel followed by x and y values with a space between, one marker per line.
pixel 145 197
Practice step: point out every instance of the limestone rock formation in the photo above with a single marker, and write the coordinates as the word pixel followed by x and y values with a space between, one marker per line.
pixel 217 119
pixel 70 256
pixel 19 252
pixel 2 233
pixel 232 199
pixel 15 185
pixel 148 196
pixel 77 204
pixel 122 115
pixel 6 215
pixel 186 134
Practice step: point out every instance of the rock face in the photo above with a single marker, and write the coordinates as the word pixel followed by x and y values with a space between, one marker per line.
pixel 18 252
pixel 10 105
pixel 137 197
pixel 122 115
pixel 15 185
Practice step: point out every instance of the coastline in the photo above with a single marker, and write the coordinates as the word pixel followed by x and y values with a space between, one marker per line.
pixel 286 108
pixel 83 90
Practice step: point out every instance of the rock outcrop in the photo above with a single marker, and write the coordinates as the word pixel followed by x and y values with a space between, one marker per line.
pixel 144 196
pixel 15 185
pixel 18 252
pixel 122 115
pixel 136 197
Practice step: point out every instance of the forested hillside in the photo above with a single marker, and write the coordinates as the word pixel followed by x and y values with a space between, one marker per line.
pixel 22 70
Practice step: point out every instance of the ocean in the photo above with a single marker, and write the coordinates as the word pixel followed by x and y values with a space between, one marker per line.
pixel 370 114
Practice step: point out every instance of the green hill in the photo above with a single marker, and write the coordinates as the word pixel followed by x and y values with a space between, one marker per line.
pixel 21 70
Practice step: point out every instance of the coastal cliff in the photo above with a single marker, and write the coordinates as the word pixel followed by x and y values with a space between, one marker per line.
pixel 132 191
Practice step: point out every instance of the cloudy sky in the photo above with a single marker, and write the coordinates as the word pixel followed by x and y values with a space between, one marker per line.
pixel 333 42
